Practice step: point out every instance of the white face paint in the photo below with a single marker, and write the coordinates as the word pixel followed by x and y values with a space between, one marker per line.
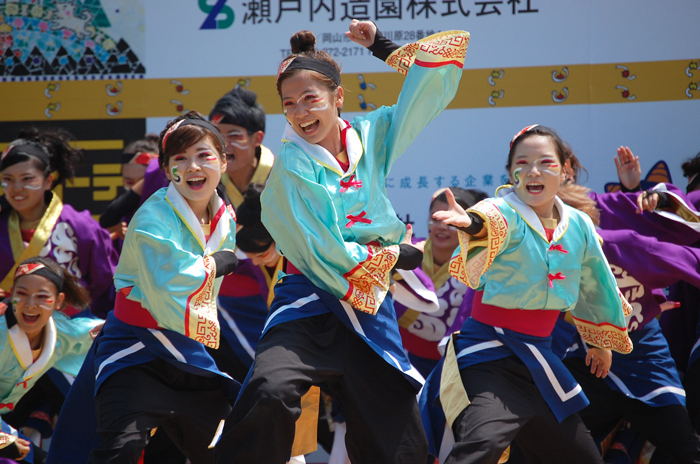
pixel 34 185
pixel 175 173
pixel 552 168
pixel 231 138
pixel 320 108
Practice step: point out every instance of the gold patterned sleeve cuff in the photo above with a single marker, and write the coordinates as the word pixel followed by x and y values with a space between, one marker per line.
pixel 604 335
pixel 369 280
pixel 469 269
pixel 443 48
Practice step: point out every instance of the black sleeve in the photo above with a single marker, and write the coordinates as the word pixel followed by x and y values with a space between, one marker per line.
pixel 382 47
pixel 120 207
pixel 664 200
pixel 477 225
pixel 226 262
pixel 409 257
pixel 10 451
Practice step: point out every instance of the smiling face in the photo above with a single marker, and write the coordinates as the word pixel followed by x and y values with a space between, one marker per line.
pixel 240 146
pixel 196 172
pixel 536 173
pixel 24 186
pixel 312 109
pixel 34 299
pixel 443 237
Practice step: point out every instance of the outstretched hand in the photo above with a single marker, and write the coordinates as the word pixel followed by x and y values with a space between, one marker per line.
pixel 362 32
pixel 629 170
pixel 454 215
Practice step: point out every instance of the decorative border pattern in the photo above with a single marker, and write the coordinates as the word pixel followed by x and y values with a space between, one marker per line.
pixel 449 47
pixel 604 335
pixel 469 271
pixel 369 280
pixel 201 321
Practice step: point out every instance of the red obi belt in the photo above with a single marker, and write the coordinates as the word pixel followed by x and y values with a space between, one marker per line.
pixel 536 322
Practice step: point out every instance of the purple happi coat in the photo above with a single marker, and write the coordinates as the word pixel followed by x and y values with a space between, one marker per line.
pixel 81 247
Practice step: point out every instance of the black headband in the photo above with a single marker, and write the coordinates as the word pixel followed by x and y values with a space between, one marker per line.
pixel 311 64
pixel 195 122
pixel 40 270
pixel 19 152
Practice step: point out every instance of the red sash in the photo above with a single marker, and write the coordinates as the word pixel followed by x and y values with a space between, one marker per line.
pixel 131 312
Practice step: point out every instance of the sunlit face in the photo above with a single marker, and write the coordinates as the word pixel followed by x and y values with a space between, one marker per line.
pixel 197 171
pixel 132 173
pixel 24 186
pixel 536 173
pixel 443 237
pixel 312 109
pixel 268 258
pixel 34 300
pixel 240 146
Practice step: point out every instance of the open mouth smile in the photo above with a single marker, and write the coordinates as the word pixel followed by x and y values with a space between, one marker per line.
pixel 309 126
pixel 535 188
pixel 196 183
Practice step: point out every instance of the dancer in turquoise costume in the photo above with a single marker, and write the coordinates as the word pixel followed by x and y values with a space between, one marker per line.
pixel 178 246
pixel 530 257
pixel 35 337
pixel 326 207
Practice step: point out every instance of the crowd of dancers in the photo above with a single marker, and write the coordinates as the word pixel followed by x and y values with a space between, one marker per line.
pixel 235 306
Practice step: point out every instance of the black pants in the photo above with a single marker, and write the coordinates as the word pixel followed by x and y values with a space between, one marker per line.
pixel 384 424
pixel 667 427
pixel 691 382
pixel 135 400
pixel 506 405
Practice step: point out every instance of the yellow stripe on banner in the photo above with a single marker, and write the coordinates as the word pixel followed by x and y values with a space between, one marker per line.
pixel 107 168
pixel 566 84
pixel 87 144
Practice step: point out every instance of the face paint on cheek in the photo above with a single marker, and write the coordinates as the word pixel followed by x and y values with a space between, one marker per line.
pixel 210 166
pixel 239 145
pixel 552 170
pixel 320 108
pixel 15 301
pixel 516 177
pixel 4 185
pixel 175 175
pixel 33 185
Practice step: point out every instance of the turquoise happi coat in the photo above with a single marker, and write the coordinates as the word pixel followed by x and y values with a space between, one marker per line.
pixel 65 343
pixel 339 228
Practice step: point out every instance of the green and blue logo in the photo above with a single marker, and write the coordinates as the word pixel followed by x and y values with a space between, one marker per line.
pixel 215 11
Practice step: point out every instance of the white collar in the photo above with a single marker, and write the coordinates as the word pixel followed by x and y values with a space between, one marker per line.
pixel 220 223
pixel 353 146
pixel 23 350
pixel 531 218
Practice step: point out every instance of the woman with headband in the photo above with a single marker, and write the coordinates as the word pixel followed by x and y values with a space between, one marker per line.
pixel 325 206
pixel 35 337
pixel 151 366
pixel 39 224
pixel 530 258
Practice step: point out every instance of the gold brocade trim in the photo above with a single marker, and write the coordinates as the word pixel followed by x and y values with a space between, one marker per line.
pixel 260 175
pixel 305 428
pixel 41 235
pixel 369 280
pixel 470 269
pixel 626 307
pixel 453 396
pixel 605 336
pixel 443 47
pixel 6 439
pixel 201 321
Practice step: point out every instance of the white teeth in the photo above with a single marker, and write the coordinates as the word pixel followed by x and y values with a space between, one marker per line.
pixel 195 179
pixel 307 124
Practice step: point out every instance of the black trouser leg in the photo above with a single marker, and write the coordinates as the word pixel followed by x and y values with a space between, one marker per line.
pixel 294 355
pixel 505 404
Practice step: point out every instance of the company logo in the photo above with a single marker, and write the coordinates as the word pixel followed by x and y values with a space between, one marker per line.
pixel 219 10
